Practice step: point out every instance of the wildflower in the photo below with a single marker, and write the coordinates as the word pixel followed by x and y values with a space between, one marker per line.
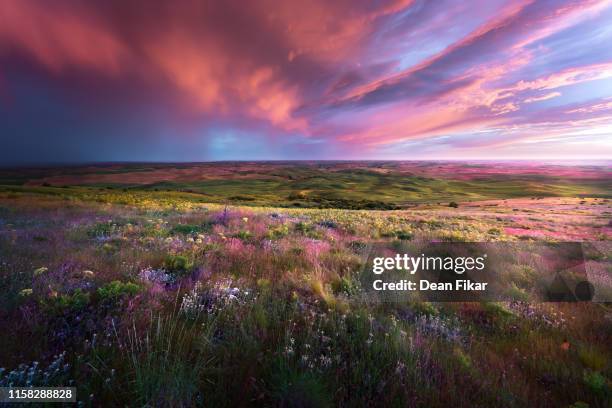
pixel 448 329
pixel 156 275
pixel 190 239
pixel 400 368
pixel 325 361
pixel 40 271
pixel 245 219
pixel 198 241
pixel 565 346
pixel 25 292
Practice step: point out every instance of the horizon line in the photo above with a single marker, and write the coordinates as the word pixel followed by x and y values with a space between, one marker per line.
pixel 565 161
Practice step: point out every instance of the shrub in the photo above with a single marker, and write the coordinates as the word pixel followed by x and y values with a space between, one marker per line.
pixel 328 224
pixel 494 231
pixel 496 314
pixel 118 289
pixel 186 229
pixel 595 381
pixel 516 293
pixel 278 232
pixel 345 285
pixel 243 235
pixel 75 301
pixel 303 227
pixel 178 265
pixel 524 276
pixel 403 235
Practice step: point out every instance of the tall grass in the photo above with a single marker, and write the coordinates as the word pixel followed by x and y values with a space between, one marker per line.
pixel 168 362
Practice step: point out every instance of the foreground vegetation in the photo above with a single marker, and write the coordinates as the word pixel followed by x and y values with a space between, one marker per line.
pixel 155 298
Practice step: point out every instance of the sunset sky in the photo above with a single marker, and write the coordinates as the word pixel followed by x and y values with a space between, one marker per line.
pixel 196 81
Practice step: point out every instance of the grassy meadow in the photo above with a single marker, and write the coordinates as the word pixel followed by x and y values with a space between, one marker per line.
pixel 235 284
pixel 346 185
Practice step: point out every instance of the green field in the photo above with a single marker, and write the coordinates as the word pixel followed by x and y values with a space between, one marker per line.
pixel 357 185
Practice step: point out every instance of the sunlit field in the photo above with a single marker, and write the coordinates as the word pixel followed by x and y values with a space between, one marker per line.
pixel 236 285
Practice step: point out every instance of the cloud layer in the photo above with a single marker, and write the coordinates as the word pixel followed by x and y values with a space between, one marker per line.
pixel 192 80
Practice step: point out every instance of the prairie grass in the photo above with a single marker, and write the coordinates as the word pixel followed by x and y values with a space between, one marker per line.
pixel 160 300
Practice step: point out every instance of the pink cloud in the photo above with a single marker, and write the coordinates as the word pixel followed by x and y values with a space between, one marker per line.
pixel 59 37
pixel 354 74
pixel 570 76
pixel 544 97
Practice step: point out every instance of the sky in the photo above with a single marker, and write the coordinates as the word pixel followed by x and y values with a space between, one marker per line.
pixel 135 80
